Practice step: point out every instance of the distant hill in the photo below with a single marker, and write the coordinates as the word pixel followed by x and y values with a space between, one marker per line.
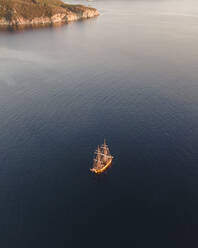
pixel 31 12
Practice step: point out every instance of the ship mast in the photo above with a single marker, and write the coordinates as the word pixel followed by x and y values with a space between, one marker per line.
pixel 105 152
pixel 102 159
pixel 98 158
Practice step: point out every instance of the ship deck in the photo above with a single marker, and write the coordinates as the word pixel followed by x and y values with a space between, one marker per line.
pixel 101 170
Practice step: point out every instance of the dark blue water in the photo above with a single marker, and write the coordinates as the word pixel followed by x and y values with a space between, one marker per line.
pixel 129 76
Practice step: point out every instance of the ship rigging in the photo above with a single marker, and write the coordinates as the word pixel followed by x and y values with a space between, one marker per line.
pixel 102 160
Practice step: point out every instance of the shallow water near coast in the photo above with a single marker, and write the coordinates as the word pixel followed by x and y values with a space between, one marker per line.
pixel 130 76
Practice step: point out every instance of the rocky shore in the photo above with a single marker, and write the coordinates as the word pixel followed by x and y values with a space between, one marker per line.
pixel 37 12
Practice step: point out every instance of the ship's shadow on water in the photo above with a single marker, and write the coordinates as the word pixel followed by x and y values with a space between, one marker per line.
pixel 103 177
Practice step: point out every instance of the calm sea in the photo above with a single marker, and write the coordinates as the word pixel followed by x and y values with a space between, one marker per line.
pixel 130 76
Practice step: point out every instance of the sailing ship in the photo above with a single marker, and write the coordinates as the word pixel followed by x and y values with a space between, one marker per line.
pixel 102 160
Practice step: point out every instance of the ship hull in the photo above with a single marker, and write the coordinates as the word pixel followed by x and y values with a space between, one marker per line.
pixel 99 171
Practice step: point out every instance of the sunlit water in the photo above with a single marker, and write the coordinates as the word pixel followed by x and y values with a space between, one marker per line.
pixel 130 76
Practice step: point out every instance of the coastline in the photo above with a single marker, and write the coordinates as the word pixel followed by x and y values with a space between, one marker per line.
pixel 61 16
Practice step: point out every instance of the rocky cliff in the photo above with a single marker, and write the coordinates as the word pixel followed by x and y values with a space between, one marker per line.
pixel 35 12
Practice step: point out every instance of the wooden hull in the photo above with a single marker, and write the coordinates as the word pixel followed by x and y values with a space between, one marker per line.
pixel 99 171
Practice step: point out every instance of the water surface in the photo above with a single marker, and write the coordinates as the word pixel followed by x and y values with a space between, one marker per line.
pixel 129 76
